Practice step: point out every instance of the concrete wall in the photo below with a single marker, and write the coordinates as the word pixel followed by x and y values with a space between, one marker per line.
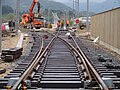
pixel 106 25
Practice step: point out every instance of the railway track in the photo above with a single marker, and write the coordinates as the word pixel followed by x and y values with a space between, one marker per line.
pixel 59 69
pixel 22 67
pixel 106 67
pixel 84 63
pixel 63 63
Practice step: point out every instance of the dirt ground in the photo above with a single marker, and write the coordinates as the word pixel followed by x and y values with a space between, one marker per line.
pixel 8 42
pixel 11 42
pixel 8 66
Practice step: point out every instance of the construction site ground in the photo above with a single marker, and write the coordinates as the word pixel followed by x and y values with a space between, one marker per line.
pixel 11 42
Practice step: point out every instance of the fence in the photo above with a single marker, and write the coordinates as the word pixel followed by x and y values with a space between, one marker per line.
pixel 106 25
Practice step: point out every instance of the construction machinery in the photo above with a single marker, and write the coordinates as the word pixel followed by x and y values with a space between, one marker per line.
pixel 33 20
pixel 25 20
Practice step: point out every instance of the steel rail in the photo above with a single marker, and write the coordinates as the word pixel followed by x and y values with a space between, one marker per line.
pixel 81 57
pixel 85 65
pixel 26 73
pixel 94 72
pixel 34 63
pixel 84 61
pixel 39 51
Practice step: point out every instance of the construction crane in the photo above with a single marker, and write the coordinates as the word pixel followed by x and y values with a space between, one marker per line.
pixel 33 19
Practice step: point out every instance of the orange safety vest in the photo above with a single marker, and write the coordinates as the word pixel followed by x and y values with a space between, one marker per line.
pixel 67 22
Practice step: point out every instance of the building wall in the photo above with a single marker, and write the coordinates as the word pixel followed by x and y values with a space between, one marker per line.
pixel 106 25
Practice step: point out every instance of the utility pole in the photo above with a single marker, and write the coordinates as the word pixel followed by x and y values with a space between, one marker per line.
pixel 73 12
pixel 18 10
pixel 48 11
pixel 78 9
pixel 73 7
pixel 64 19
pixel 68 15
pixel 87 15
pixel 17 16
pixel 0 28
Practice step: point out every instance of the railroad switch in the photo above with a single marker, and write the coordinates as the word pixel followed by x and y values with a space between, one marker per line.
pixel 87 84
pixel 11 82
pixel 27 84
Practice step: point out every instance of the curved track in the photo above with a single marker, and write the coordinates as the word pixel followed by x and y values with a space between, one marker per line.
pixel 21 68
pixel 60 62
pixel 59 69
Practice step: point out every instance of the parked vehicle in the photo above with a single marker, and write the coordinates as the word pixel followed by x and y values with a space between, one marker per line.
pixel 83 21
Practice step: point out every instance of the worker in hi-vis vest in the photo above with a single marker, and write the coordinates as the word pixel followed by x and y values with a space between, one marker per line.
pixel 58 25
pixel 67 23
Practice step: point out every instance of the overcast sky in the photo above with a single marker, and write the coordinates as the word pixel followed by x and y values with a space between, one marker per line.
pixel 64 1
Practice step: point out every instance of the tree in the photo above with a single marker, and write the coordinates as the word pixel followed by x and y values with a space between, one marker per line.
pixel 9 16
pixel 7 9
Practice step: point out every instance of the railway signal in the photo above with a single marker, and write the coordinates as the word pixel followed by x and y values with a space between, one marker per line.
pixel 77 21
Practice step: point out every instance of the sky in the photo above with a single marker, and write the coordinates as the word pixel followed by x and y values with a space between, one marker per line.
pixel 64 1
